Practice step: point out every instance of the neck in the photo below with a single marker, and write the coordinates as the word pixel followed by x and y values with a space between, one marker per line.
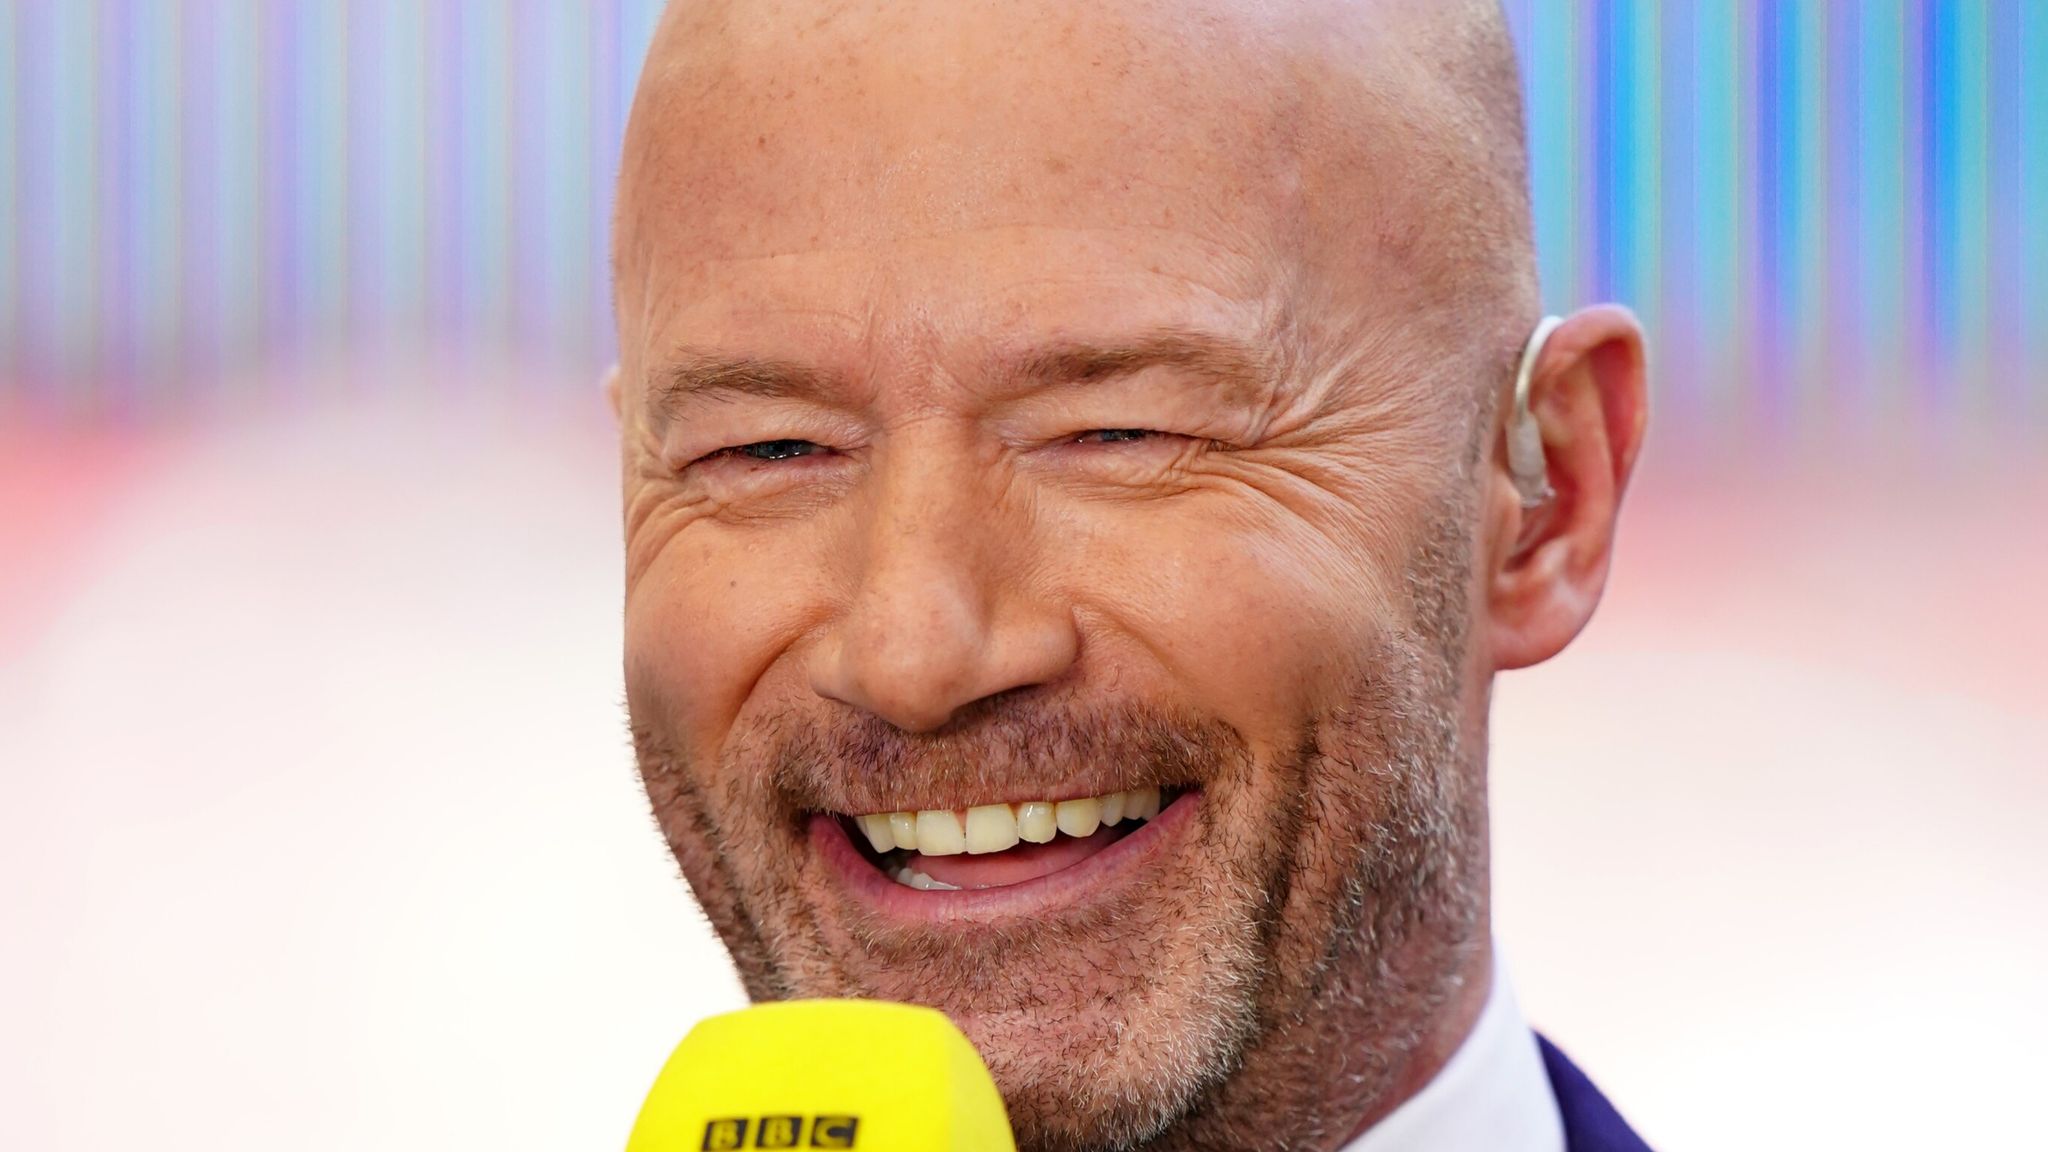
pixel 1319 1082
pixel 1460 1014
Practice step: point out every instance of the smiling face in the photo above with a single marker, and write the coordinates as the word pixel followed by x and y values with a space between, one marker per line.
pixel 1052 502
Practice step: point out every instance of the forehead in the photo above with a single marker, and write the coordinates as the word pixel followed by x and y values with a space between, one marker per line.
pixel 965 302
pixel 971 167
pixel 771 162
pixel 962 117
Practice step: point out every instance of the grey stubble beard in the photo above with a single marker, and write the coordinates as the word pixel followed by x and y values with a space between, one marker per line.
pixel 1312 1000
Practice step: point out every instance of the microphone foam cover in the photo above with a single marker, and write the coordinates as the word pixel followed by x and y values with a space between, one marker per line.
pixel 864 1074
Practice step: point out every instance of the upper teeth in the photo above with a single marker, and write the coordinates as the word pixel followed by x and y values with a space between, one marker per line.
pixel 995 827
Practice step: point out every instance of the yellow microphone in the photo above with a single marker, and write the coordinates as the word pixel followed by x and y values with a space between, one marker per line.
pixel 863 1074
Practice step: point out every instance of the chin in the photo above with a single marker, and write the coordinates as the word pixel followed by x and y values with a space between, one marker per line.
pixel 1100 1030
pixel 1105 1075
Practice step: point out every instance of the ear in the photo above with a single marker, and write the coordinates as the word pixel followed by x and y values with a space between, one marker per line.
pixel 611 390
pixel 1546 566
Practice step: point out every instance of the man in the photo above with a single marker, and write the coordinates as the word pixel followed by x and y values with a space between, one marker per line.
pixel 1071 533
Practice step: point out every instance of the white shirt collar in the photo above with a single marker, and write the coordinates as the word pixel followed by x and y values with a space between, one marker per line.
pixel 1492 1095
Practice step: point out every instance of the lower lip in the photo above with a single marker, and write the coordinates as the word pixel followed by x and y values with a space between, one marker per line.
pixel 1150 843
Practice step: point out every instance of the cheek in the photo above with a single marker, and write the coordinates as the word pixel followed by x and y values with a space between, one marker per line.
pixel 1259 623
pixel 706 621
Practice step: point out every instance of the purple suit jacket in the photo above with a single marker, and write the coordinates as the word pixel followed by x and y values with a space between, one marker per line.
pixel 1590 1123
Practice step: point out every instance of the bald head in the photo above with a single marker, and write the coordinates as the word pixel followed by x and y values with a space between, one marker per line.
pixel 1363 159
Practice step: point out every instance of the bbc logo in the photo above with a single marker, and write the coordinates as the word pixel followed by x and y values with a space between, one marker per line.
pixel 780 1132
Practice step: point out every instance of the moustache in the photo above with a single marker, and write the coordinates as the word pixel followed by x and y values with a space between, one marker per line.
pixel 1005 749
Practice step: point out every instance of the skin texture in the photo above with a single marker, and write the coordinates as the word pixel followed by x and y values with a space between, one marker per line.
pixel 1124 384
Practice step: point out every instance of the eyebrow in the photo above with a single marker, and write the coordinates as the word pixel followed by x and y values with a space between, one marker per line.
pixel 1220 359
pixel 694 377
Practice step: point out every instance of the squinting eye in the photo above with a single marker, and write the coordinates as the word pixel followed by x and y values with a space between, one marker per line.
pixel 1114 435
pixel 771 450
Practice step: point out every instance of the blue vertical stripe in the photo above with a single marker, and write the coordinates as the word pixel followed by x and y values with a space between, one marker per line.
pixel 1788 180
pixel 1553 146
pixel 368 52
pixel 1717 202
pixel 112 226
pixel 1593 152
pixel 1882 265
pixel 321 156
pixel 1957 196
pixel 238 203
pixel 10 197
pixel 280 286
pixel 198 152
pixel 1938 203
pixel 469 94
pixel 155 197
pixel 2033 238
pixel 1749 377
pixel 487 171
pixel 1643 190
pixel 1775 299
pixel 2004 216
pixel 1969 65
pixel 403 184
pixel 1842 204
pixel 1918 321
pixel 1627 154
pixel 1925 139
pixel 446 58
pixel 528 97
pixel 1809 207
pixel 561 44
pixel 1606 154
pixel 606 123
pixel 73 141
pixel 35 191
pixel 1677 262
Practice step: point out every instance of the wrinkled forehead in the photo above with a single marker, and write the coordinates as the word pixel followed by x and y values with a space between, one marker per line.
pixel 975 151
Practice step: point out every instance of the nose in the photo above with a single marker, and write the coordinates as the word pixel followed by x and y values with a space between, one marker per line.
pixel 943 613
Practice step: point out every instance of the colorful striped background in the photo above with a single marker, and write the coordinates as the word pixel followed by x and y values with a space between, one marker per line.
pixel 1824 210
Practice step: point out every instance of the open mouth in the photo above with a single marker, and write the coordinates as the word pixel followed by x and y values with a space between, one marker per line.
pixel 998 845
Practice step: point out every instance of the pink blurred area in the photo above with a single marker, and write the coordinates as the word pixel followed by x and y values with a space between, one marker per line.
pixel 321 828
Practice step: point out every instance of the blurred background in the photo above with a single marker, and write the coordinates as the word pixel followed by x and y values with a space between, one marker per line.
pixel 317 822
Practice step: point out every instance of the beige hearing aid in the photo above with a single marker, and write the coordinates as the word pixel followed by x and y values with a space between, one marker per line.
pixel 1525 437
